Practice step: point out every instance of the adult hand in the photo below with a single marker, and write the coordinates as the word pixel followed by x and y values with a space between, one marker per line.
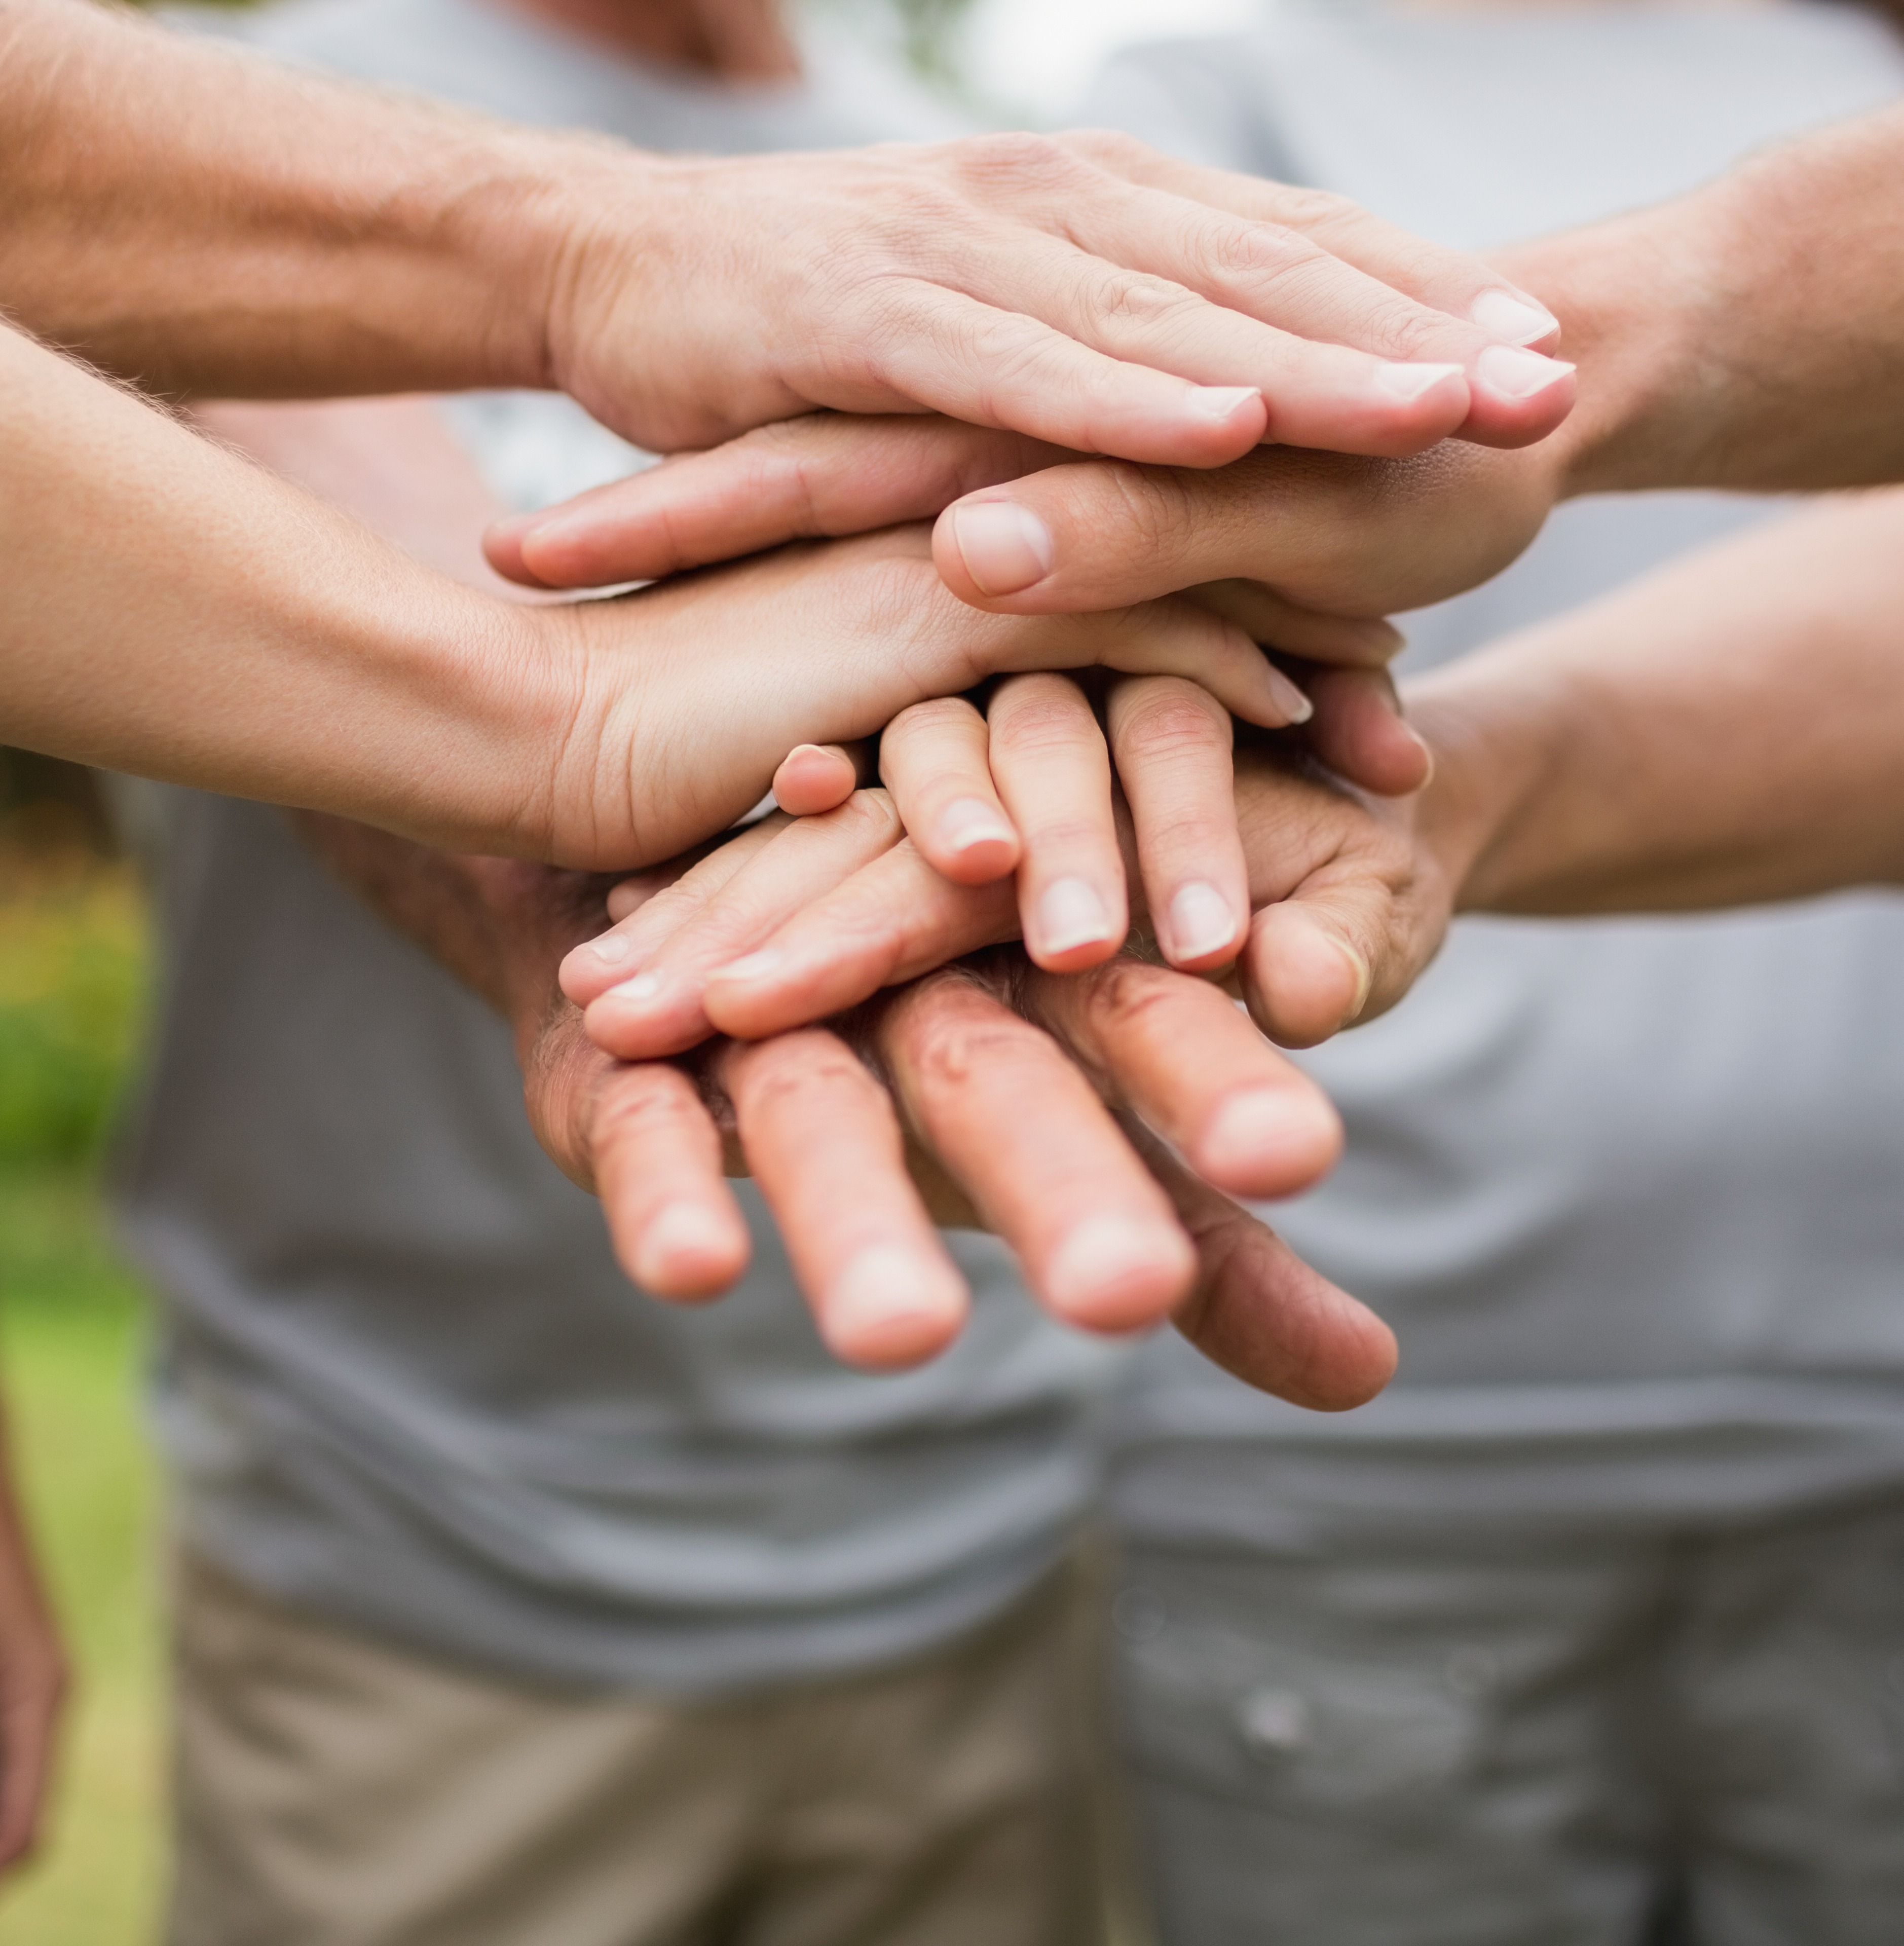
pixel 1304 550
pixel 1351 895
pixel 986 1100
pixel 251 232
pixel 1023 789
pixel 1081 289
pixel 1718 347
pixel 815 915
pixel 823 644
pixel 983 1107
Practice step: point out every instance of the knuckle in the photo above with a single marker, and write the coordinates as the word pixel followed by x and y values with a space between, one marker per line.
pixel 1149 509
pixel 869 818
pixel 1162 717
pixel 804 1073
pixel 1044 723
pixel 954 1049
pixel 1128 998
pixel 1016 157
pixel 1260 249
pixel 1299 209
pixel 1135 301
pixel 935 720
pixel 641 1102
pixel 1108 146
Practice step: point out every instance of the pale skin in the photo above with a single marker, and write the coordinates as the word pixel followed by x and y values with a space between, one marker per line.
pixel 1749 336
pixel 1709 357
pixel 203 223
pixel 994 1105
pixel 992 1101
pixel 283 651
pixel 208 223
pixel 1727 731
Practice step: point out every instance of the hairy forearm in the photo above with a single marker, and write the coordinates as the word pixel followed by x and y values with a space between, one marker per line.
pixel 1750 335
pixel 1727 732
pixel 169 609
pixel 203 221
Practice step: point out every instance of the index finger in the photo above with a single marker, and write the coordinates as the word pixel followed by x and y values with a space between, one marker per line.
pixel 1450 281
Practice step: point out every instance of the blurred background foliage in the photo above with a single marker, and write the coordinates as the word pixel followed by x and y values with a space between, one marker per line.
pixel 73 976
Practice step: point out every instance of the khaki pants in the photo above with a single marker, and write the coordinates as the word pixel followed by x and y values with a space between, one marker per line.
pixel 335 1791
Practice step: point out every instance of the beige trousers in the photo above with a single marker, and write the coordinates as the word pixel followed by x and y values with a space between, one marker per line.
pixel 333 1790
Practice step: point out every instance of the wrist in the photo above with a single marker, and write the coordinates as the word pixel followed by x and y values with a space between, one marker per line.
pixel 1492 745
pixel 568 226
pixel 495 701
pixel 513 213
pixel 1634 300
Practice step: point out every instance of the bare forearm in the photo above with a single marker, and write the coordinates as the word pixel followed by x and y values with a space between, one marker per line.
pixel 203 221
pixel 170 611
pixel 1750 335
pixel 1729 730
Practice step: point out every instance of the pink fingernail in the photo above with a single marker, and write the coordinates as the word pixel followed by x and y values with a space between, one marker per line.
pixel 1263 1126
pixel 1512 373
pixel 1005 548
pixel 1071 914
pixel 753 966
pixel 890 1304
pixel 1202 922
pixel 637 992
pixel 612 946
pixel 1219 402
pixel 1512 318
pixel 1410 382
pixel 1113 1274
pixel 682 1230
pixel 1295 706
pixel 967 821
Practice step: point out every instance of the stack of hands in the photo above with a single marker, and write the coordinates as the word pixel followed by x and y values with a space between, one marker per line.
pixel 1108 741
pixel 979 966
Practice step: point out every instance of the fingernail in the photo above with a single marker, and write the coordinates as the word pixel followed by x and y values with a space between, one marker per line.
pixel 753 966
pixel 1411 381
pixel 612 946
pixel 1071 914
pixel 1264 1126
pixel 681 1230
pixel 637 992
pixel 1117 1274
pixel 1004 546
pixel 1513 320
pixel 1202 922
pixel 967 821
pixel 1515 373
pixel 1295 706
pixel 889 1303
pixel 1364 979
pixel 1219 402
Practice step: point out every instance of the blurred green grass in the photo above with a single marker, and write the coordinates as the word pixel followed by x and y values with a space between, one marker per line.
pixel 72 973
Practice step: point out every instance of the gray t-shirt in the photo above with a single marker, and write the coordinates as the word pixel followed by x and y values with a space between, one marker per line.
pixel 402 1382
pixel 1631 1192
